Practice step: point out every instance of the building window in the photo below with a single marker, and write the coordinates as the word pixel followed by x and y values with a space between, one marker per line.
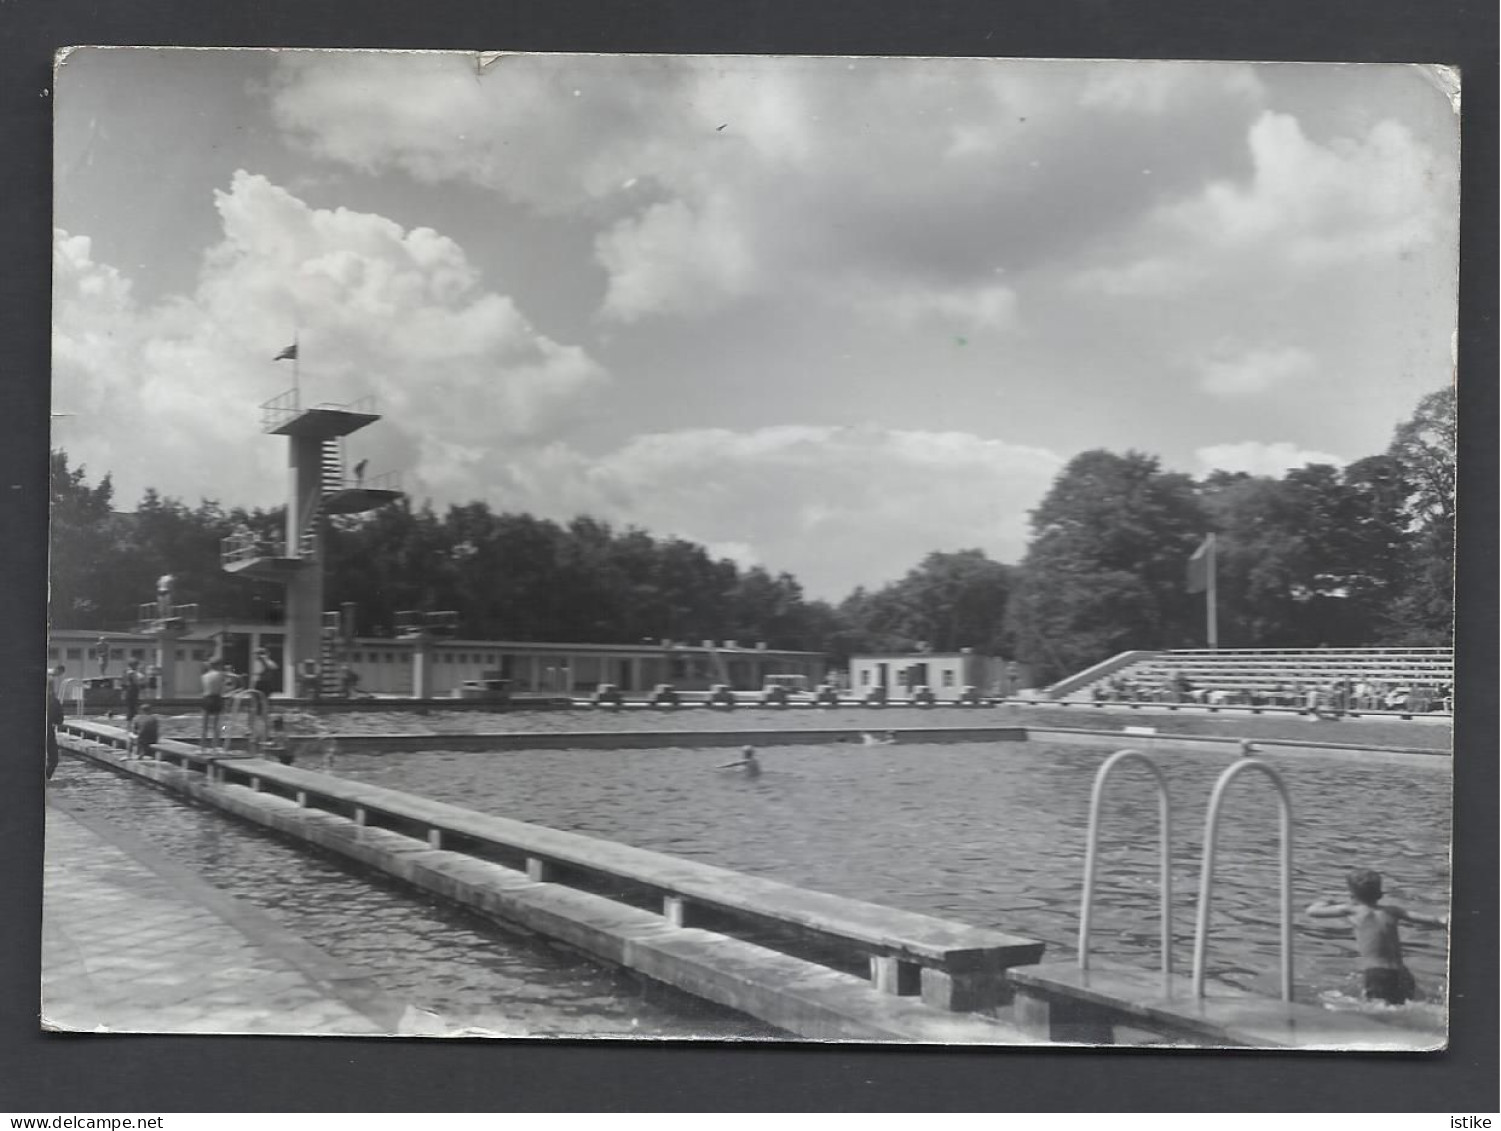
pixel 138 653
pixel 75 653
pixel 864 677
pixel 948 677
pixel 51 653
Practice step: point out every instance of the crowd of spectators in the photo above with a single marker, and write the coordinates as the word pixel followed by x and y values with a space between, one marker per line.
pixel 1335 696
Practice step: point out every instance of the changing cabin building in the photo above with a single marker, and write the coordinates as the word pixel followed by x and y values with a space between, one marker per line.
pixel 385 665
pixel 947 674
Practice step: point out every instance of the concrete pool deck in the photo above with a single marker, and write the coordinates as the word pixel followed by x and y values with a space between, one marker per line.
pixel 132 942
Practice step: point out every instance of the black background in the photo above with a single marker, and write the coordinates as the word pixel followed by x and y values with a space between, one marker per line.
pixel 49 1072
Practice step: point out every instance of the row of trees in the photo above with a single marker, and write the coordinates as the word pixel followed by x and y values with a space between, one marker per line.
pixel 1359 556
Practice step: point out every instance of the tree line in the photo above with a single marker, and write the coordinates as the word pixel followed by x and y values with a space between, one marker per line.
pixel 1348 557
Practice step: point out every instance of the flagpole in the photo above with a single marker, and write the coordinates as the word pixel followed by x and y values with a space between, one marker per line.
pixel 296 361
pixel 1211 609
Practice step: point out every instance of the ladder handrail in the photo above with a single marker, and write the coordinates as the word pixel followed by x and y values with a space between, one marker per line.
pixel 62 693
pixel 1165 882
pixel 1206 873
pixel 251 696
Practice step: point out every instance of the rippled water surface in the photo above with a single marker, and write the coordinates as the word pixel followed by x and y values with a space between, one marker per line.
pixel 993 834
pixel 422 952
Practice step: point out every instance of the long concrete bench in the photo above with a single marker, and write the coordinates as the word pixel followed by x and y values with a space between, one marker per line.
pixel 953 966
pixel 1060 1002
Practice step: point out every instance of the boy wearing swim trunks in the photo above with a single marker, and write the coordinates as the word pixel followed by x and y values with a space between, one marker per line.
pixel 1377 939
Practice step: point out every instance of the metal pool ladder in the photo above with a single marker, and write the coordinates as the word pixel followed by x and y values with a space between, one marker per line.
pixel 1206 871
pixel 1165 883
pixel 1206 875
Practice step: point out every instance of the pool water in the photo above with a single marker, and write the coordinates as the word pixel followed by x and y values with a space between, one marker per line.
pixel 461 971
pixel 993 834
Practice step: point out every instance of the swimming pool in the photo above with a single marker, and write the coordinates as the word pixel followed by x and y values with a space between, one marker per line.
pixel 993 834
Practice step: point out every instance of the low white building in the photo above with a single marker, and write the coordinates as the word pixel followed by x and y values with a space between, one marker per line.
pixel 946 673
pixel 384 665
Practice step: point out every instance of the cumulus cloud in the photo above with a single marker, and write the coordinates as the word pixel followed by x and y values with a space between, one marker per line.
pixel 400 314
pixel 1352 199
pixel 971 309
pixel 1155 87
pixel 836 506
pixel 1249 372
pixel 675 259
pixel 1305 205
pixel 1257 458
pixel 1156 275
pixel 711 178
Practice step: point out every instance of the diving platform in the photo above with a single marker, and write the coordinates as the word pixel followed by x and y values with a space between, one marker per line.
pixel 320 488
pixel 283 415
pixel 358 500
pixel 155 619
pixel 262 559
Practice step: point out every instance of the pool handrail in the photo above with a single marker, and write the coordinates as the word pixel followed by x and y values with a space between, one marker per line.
pixel 1165 880
pixel 247 695
pixel 62 692
pixel 1206 872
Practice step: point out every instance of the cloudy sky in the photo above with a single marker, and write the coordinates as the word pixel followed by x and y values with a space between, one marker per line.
pixel 823 315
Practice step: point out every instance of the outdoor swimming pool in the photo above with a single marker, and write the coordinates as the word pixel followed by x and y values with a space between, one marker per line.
pixel 993 834
pixel 462 972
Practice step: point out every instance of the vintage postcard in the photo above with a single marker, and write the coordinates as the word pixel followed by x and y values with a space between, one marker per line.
pixel 756 548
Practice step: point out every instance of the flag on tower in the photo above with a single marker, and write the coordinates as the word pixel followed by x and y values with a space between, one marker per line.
pixel 288 354
pixel 1201 565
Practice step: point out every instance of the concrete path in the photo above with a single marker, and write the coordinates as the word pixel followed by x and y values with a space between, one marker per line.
pixel 133 942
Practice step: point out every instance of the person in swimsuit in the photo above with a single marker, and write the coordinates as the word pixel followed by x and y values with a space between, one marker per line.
pixel 747 763
pixel 147 730
pixel 1377 940
pixel 133 681
pixel 213 705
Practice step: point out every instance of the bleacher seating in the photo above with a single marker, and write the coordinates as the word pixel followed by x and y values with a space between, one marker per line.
pixel 1403 680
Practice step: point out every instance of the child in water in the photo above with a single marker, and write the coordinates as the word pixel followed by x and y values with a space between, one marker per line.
pixel 748 763
pixel 1376 936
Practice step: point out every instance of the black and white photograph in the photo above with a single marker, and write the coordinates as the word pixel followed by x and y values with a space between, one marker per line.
pixel 729 548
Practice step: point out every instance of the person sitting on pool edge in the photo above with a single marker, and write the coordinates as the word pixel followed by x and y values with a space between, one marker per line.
pixel 147 730
pixel 748 763
pixel 1377 938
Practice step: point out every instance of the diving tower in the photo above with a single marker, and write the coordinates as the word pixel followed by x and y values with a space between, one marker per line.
pixel 319 486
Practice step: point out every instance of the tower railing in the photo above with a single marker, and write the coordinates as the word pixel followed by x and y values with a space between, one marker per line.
pixel 385 481
pixel 288 406
pixel 280 409
pixel 150 612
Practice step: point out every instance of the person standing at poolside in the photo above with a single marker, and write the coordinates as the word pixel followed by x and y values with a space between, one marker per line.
pixel 213 705
pixel 132 682
pixel 267 674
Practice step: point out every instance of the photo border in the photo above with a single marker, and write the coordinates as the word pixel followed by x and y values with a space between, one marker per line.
pixel 156 1074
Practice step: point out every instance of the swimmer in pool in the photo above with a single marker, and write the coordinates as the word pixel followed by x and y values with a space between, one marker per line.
pixel 1377 938
pixel 747 763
